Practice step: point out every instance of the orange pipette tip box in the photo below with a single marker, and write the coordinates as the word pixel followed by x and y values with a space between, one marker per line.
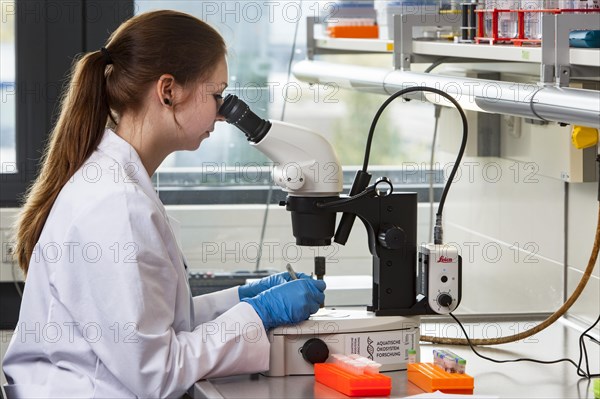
pixel 352 384
pixel 354 31
pixel 431 378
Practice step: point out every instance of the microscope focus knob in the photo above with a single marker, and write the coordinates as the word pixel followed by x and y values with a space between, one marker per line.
pixel 444 300
pixel 392 237
pixel 315 351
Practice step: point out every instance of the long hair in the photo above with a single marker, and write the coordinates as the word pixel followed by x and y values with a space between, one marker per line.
pixel 140 50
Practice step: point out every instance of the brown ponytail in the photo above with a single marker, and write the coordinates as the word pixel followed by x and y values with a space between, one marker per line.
pixel 141 50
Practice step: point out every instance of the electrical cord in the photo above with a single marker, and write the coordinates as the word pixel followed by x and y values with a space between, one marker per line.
pixel 461 151
pixel 264 226
pixel 439 62
pixel 13 267
pixel 582 353
pixel 270 192
pixel 551 319
pixel 583 350
pixel 437 112
pixel 289 69
pixel 594 340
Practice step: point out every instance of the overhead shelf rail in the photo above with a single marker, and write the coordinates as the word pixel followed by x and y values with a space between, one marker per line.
pixel 546 103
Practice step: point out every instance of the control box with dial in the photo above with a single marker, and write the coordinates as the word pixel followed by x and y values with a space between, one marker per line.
pixel 439 277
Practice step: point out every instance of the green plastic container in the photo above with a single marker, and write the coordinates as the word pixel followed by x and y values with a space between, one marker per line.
pixel 597 389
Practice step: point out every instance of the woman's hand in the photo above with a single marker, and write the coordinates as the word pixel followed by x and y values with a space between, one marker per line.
pixel 288 303
pixel 256 287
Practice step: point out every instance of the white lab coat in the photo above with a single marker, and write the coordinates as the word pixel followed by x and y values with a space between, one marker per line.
pixel 107 310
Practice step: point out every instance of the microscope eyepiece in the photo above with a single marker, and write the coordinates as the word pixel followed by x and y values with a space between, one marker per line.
pixel 238 113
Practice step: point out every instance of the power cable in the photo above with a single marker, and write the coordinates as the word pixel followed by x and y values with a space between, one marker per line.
pixel 582 353
pixel 438 239
pixel 437 112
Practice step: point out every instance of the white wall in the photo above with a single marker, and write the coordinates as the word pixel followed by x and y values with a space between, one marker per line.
pixel 583 216
pixel 510 234
pixel 508 214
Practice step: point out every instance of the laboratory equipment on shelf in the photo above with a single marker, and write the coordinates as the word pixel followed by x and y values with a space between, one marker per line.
pixel 498 22
pixel 355 28
pixel 350 19
pixel 520 22
pixel 469 23
pixel 533 16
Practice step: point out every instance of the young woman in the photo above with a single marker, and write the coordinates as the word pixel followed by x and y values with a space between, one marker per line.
pixel 107 310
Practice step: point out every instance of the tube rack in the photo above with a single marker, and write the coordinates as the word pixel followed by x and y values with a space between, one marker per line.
pixel 520 39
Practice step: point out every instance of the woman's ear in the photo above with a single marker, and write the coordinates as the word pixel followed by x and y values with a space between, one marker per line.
pixel 165 89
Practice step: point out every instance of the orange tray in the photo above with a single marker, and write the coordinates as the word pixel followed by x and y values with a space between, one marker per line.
pixel 352 384
pixel 431 378
pixel 354 32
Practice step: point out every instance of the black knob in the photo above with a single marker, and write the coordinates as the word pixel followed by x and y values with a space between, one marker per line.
pixel 392 237
pixel 315 351
pixel 444 300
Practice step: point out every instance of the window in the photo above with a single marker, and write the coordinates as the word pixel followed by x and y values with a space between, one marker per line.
pixel 39 40
pixel 260 37
pixel 8 152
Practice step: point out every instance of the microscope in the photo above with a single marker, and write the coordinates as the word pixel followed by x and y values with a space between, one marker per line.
pixel 406 284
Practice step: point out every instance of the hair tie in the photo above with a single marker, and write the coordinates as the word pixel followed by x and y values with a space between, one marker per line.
pixel 106 55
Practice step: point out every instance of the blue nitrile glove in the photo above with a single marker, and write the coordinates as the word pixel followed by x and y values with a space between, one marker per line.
pixel 256 287
pixel 288 303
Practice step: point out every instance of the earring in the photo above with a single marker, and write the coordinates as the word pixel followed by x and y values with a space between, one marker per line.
pixel 167 101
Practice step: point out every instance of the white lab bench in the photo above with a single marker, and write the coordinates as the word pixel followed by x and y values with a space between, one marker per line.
pixel 509 380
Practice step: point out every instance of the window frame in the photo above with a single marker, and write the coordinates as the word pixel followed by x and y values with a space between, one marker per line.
pixel 48 36
pixel 196 188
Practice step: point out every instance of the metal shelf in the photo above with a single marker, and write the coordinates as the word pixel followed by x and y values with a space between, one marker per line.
pixel 497 52
pixel 359 45
pixel 555 57
pixel 587 57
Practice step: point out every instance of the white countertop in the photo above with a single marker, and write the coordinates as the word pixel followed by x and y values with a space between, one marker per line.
pixel 509 380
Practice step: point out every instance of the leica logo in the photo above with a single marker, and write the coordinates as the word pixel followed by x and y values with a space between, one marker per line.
pixel 443 259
